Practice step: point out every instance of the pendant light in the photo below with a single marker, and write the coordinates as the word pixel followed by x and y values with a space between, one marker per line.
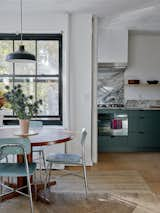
pixel 21 55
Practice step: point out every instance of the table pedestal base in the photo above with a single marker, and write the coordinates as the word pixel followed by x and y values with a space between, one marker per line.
pixel 40 195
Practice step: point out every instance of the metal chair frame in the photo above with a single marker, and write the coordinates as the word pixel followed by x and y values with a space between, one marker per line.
pixel 29 195
pixel 41 156
pixel 41 153
pixel 82 163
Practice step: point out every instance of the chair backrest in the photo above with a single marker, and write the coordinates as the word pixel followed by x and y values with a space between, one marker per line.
pixel 36 124
pixel 83 136
pixel 14 146
pixel 83 139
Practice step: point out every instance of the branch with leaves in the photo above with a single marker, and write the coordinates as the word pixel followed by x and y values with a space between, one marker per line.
pixel 23 106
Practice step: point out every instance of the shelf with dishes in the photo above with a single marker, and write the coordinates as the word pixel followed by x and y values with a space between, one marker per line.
pixel 148 83
pixel 143 85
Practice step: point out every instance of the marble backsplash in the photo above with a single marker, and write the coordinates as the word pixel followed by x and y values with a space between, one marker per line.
pixel 110 90
pixel 110 87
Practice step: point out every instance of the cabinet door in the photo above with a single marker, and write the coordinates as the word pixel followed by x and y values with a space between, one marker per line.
pixel 114 144
pixel 113 45
pixel 102 143
pixel 143 140
pixel 118 140
pixel 133 121
pixel 150 122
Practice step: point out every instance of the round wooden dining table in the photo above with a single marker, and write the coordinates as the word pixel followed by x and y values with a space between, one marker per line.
pixel 45 137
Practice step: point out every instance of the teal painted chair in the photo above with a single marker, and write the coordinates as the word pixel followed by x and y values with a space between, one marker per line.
pixel 69 159
pixel 37 126
pixel 16 146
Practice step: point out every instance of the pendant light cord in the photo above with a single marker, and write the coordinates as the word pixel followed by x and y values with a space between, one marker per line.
pixel 21 19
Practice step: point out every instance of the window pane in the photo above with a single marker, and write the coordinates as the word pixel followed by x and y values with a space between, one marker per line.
pixel 47 90
pixel 6 81
pixel 28 85
pixel 36 78
pixel 47 57
pixel 6 47
pixel 25 68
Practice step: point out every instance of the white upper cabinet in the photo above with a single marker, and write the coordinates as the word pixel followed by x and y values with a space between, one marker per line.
pixel 112 45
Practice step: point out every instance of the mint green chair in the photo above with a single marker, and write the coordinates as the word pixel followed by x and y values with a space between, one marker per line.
pixel 16 146
pixel 70 159
pixel 37 126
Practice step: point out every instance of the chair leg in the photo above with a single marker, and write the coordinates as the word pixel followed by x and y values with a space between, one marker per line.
pixel 48 175
pixel 29 184
pixel 85 179
pixel 44 160
pixel 30 194
pixel 7 162
pixel 35 185
pixel 40 153
pixel 1 187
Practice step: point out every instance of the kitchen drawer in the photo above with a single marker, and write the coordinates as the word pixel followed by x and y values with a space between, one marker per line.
pixel 144 140
pixel 115 144
pixel 144 121
pixel 118 140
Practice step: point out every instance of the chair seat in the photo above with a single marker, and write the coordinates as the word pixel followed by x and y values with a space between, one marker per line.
pixel 64 158
pixel 16 169
pixel 38 148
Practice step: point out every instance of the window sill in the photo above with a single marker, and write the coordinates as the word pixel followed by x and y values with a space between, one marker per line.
pixel 45 126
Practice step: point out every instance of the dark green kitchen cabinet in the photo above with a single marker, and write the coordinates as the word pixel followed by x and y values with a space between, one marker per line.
pixel 143 121
pixel 149 122
pixel 143 141
pixel 143 133
pixel 133 124
pixel 144 130
pixel 113 144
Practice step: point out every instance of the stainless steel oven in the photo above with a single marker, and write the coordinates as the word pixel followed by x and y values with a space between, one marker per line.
pixel 112 123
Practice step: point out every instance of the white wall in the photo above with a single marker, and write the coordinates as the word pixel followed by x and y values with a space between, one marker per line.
pixel 94 89
pixel 81 77
pixel 144 64
pixel 33 23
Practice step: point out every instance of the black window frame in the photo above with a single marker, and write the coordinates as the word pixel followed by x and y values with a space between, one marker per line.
pixel 51 120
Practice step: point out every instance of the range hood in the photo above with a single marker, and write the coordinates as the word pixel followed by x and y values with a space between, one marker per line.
pixel 112 66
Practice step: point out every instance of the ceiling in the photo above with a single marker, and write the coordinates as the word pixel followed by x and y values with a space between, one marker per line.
pixel 132 14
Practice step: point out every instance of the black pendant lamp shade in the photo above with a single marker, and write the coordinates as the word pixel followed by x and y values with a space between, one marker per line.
pixel 20 56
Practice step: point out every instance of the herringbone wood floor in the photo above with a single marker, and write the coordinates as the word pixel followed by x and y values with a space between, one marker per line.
pixel 146 164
